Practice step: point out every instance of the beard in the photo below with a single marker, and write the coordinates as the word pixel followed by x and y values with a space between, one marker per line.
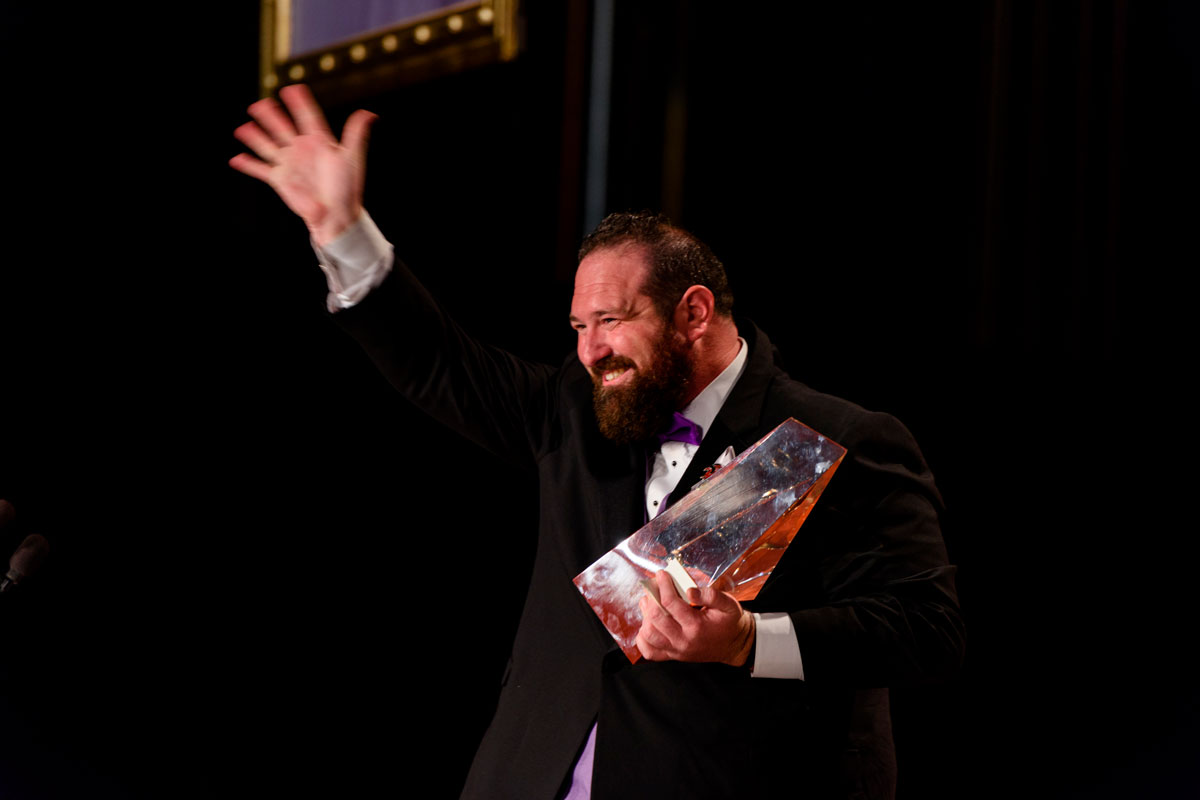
pixel 636 411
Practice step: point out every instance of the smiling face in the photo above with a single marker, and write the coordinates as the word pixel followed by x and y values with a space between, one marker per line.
pixel 637 361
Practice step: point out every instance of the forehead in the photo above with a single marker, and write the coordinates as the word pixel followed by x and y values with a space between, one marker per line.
pixel 611 274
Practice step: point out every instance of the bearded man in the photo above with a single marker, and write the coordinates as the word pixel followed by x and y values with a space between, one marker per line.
pixel 787 698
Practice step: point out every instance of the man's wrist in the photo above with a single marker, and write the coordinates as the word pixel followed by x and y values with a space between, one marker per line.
pixel 333 226
pixel 744 652
pixel 359 246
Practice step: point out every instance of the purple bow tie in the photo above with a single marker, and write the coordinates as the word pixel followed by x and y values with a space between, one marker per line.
pixel 681 429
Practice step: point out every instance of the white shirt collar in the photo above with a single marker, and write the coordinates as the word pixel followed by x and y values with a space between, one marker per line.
pixel 705 407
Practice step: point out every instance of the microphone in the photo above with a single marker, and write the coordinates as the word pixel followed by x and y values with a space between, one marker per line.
pixel 25 561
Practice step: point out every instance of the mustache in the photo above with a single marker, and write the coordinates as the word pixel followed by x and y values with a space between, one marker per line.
pixel 610 363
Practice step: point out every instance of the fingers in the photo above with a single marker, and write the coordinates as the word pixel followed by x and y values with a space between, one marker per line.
pixel 723 583
pixel 270 116
pixel 659 632
pixel 272 129
pixel 356 132
pixel 304 109
pixel 659 618
pixel 709 625
pixel 668 595
pixel 248 164
pixel 253 137
pixel 716 598
pixel 648 650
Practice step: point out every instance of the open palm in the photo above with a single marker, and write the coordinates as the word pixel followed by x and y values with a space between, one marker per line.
pixel 318 177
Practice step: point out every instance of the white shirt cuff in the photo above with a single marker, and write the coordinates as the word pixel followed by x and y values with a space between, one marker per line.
pixel 354 263
pixel 776 651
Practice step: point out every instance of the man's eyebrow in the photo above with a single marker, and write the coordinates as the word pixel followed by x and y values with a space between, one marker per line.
pixel 600 312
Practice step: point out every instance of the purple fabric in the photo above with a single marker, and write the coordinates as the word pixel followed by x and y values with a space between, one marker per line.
pixel 682 430
pixel 581 778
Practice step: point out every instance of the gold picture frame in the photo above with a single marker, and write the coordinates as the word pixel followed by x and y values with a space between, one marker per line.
pixel 438 42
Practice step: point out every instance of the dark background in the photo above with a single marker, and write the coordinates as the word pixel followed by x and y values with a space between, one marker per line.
pixel 978 216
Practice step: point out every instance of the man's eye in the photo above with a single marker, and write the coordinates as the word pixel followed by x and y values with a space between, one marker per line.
pixel 609 321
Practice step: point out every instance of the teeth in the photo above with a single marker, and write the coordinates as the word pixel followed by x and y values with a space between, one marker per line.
pixel 613 375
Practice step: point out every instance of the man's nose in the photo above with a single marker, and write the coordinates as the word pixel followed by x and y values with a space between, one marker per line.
pixel 593 347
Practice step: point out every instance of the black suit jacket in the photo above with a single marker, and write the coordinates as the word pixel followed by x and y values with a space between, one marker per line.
pixel 866 582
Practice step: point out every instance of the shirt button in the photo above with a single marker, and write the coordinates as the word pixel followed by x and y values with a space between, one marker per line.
pixel 674 463
pixel 655 503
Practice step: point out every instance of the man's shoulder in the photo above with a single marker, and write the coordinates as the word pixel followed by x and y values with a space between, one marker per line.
pixel 880 448
pixel 836 417
pixel 842 420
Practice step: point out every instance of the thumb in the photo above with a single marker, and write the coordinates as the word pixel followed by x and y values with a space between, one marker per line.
pixel 724 584
pixel 716 596
pixel 356 132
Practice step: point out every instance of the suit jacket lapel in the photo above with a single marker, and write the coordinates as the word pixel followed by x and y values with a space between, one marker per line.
pixel 620 494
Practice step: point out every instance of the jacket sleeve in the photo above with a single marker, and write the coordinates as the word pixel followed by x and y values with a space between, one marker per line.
pixel 885 609
pixel 491 397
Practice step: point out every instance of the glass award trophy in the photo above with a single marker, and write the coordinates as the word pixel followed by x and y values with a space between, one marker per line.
pixel 734 524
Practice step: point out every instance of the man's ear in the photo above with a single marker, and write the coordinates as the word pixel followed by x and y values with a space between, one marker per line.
pixel 694 312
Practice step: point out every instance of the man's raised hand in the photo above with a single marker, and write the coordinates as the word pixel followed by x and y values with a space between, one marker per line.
pixel 320 178
pixel 709 626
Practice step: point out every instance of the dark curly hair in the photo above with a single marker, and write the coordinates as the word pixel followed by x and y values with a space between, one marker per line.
pixel 677 258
